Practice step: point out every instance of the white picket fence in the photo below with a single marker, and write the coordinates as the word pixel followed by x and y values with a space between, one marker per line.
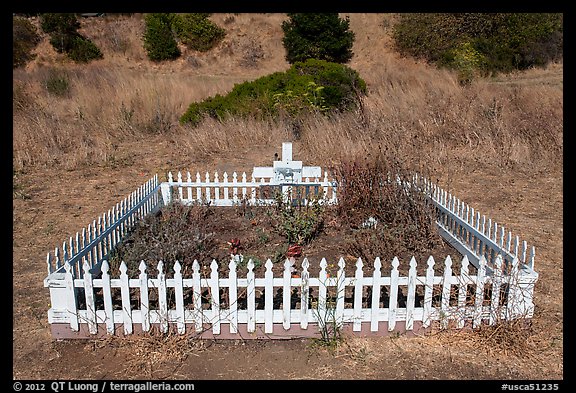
pixel 461 298
pixel 79 273
pixel 229 192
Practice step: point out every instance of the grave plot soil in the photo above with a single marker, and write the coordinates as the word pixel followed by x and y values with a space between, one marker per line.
pixel 258 233
pixel 204 233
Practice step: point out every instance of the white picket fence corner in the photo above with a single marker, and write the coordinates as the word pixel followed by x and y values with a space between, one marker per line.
pixel 82 287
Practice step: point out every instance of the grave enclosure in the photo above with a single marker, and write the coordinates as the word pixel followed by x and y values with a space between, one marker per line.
pixel 494 281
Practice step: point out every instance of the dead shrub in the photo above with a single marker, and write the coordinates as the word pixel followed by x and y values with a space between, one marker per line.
pixel 175 233
pixel 379 201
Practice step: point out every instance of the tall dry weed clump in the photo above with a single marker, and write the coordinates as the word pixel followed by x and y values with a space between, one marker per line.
pixel 99 108
pixel 424 116
pixel 379 198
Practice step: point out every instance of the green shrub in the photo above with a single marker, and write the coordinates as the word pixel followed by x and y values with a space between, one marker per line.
pixel 498 42
pixel 57 84
pixel 197 32
pixel 314 85
pixel 159 40
pixel 317 36
pixel 59 23
pixel 83 50
pixel 65 38
pixel 24 39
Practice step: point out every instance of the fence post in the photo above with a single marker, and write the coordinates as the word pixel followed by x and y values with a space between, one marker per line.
pixel 71 297
pixel 166 189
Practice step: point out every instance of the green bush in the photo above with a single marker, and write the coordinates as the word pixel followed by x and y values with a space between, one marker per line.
pixel 314 85
pixel 83 50
pixel 317 36
pixel 59 23
pixel 24 39
pixel 65 38
pixel 159 40
pixel 496 42
pixel 57 84
pixel 197 32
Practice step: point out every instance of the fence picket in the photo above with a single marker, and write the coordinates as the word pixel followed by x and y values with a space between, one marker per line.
pixel 462 291
pixel 411 298
pixel 162 299
pixel 375 306
pixel 393 305
pixel 198 188
pixel 428 291
pixel 207 186
pixel 340 291
pixel 357 322
pixel 446 286
pixel 244 187
pixel 144 304
pixel 322 288
pixel 71 297
pixel 304 294
pixel 495 309
pixel 479 295
pixel 216 188
pixel 286 293
pixel 179 298
pixel 234 188
pixel 268 297
pixel 215 297
pixel 225 179
pixel 90 304
pixel 197 297
pixel 251 295
pixel 125 295
pixel 233 293
pixel 189 195
pixel 107 293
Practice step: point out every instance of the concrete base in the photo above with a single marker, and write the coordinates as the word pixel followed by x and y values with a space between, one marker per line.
pixel 61 331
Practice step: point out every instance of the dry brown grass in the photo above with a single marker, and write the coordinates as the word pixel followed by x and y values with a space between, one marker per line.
pixel 420 113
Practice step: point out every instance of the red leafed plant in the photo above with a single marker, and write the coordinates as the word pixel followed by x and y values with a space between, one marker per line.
pixel 235 246
pixel 294 251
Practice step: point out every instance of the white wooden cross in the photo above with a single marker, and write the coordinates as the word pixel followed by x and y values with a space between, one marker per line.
pixel 286 170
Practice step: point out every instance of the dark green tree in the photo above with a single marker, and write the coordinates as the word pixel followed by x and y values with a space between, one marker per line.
pixel 24 40
pixel 65 38
pixel 159 39
pixel 323 36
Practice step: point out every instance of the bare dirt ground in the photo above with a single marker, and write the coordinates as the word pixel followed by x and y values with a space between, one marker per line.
pixel 51 204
